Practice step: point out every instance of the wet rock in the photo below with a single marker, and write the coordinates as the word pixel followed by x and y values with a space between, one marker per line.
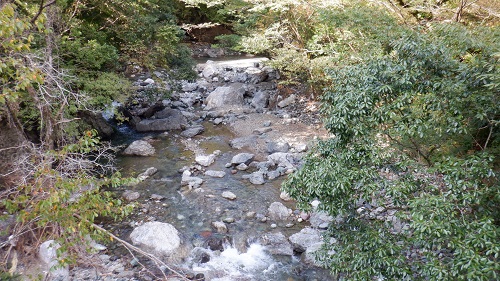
pixel 220 226
pixel 273 147
pixel 215 242
pixel 257 178
pixel 278 211
pixel 245 158
pixel 161 238
pixel 286 102
pixel 193 131
pixel 165 120
pixel 205 160
pixel 140 148
pixel 199 255
pixel 192 182
pixel 276 244
pixel 146 174
pixel 130 195
pixel 47 253
pixel 228 195
pixel 227 96
pixel 215 174
pixel 320 220
pixel 305 239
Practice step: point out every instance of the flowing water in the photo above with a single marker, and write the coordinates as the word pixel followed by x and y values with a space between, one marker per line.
pixel 192 212
pixel 236 255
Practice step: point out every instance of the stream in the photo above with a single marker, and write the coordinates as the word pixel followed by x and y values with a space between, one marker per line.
pixel 235 255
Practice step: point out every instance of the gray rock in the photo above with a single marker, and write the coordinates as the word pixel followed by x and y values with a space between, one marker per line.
pixel 218 121
pixel 130 195
pixel 309 255
pixel 229 220
pixel 278 211
pixel 191 182
pixel 255 75
pixel 257 178
pixel 228 195
pixel 149 81
pixel 165 120
pixel 48 255
pixel 260 100
pixel 189 87
pixel 220 226
pixel 287 160
pixel 161 238
pixel 286 102
pixel 140 148
pixel 200 255
pixel 215 174
pixel 205 160
pixel 159 125
pixel 245 158
pixel 273 147
pixel 156 197
pixel 301 147
pixel 209 71
pixel 261 131
pixel 227 96
pixel 193 131
pixel 146 174
pixel 320 220
pixel 242 167
pixel 276 244
pixel 305 239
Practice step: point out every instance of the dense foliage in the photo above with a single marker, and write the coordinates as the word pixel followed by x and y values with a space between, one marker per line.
pixel 58 58
pixel 410 173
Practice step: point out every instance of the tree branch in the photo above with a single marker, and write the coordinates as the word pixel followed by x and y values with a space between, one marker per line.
pixel 41 8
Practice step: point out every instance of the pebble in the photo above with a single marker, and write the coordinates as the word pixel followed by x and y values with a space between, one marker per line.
pixel 274 225
pixel 228 195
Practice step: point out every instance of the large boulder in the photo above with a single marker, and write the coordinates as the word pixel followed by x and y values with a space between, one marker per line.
pixel 192 131
pixel 276 244
pixel 140 148
pixel 304 239
pixel 165 120
pixel 227 96
pixel 278 211
pixel 260 99
pixel 242 158
pixel 97 121
pixel 158 237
